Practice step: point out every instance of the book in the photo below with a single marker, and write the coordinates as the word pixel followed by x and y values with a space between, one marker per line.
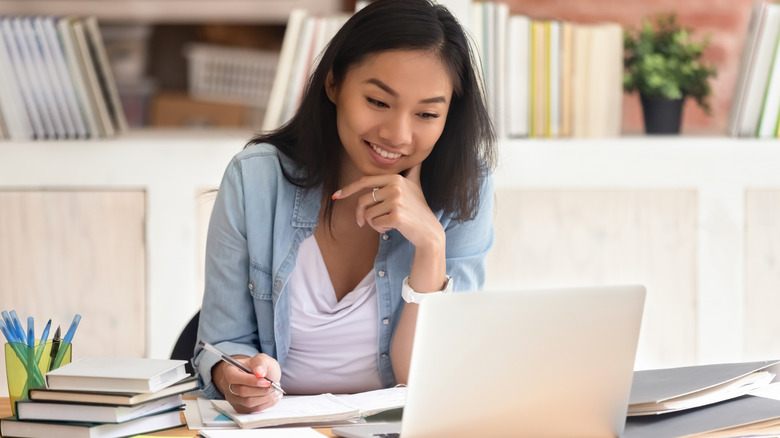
pixel 755 79
pixel 117 374
pixel 20 73
pixel 673 389
pixel 310 409
pixel 78 76
pixel 33 429
pixel 517 76
pixel 734 416
pixel 767 121
pixel 113 398
pixel 56 411
pixel 284 70
pixel 105 76
pixel 12 105
pixel 88 67
pixel 748 58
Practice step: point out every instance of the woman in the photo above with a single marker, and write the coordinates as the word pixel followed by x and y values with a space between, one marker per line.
pixel 380 183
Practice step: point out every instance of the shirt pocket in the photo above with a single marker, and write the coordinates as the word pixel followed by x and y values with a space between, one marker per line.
pixel 261 289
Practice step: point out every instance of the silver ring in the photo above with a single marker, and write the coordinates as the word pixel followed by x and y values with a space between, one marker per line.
pixel 230 388
pixel 373 194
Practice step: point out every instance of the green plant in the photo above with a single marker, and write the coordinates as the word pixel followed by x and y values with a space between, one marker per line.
pixel 664 62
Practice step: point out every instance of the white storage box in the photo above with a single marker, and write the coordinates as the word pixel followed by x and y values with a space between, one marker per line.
pixel 231 74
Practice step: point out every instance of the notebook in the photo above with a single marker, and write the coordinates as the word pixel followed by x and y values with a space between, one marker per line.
pixel 544 363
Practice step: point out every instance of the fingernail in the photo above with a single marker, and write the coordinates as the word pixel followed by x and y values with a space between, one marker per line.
pixel 336 195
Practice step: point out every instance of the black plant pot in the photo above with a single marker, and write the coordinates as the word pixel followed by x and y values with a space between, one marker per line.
pixel 662 116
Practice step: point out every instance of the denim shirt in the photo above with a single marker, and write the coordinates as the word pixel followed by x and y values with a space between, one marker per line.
pixel 257 224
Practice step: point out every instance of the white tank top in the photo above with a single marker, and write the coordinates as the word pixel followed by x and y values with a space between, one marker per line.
pixel 333 345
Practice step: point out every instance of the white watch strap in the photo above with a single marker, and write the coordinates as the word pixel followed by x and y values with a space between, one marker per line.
pixel 411 296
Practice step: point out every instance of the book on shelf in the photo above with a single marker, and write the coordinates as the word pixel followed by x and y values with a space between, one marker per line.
pixel 755 71
pixel 117 374
pixel 318 409
pixel 56 82
pixel 113 398
pixel 89 413
pixel 13 427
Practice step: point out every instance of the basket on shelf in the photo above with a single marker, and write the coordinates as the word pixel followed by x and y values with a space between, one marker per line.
pixel 231 74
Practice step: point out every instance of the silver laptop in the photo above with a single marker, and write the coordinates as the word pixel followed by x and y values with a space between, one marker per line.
pixel 536 363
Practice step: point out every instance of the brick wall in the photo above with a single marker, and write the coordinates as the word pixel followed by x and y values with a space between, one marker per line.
pixel 725 21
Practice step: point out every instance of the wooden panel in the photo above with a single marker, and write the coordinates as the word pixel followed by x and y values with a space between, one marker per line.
pixel 547 238
pixel 762 274
pixel 63 253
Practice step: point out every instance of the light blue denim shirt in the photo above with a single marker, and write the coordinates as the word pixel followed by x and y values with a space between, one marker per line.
pixel 259 220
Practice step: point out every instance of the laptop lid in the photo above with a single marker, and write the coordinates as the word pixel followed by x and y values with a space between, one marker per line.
pixel 534 363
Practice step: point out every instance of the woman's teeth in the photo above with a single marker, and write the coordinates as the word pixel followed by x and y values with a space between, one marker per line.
pixel 384 153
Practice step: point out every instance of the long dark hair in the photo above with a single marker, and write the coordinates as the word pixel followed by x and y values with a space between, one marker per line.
pixel 450 176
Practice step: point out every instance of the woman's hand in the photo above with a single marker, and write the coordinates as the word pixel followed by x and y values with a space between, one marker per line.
pixel 395 202
pixel 246 392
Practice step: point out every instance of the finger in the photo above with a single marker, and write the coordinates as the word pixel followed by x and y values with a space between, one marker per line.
pixel 413 173
pixel 365 183
pixel 256 404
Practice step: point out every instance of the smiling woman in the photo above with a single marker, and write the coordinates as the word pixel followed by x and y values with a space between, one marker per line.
pixel 327 232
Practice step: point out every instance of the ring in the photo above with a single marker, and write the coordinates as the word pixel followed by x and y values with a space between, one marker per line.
pixel 230 388
pixel 373 194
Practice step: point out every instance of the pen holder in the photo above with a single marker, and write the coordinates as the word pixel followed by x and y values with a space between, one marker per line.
pixel 25 367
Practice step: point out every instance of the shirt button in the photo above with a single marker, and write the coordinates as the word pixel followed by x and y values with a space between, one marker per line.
pixel 251 286
pixel 381 273
pixel 386 321
pixel 384 355
pixel 385 237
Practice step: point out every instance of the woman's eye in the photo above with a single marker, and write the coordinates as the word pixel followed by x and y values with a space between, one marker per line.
pixel 376 103
pixel 429 116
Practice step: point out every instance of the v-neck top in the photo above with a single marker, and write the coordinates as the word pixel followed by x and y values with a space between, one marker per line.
pixel 333 345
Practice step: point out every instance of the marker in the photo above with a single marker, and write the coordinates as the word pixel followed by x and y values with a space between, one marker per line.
pixel 72 330
pixel 30 331
pixel 42 345
pixel 208 347
pixel 55 346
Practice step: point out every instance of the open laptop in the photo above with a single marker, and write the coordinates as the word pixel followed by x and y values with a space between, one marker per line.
pixel 534 363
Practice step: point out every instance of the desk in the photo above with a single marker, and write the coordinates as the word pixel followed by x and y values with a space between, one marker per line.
pixel 5 411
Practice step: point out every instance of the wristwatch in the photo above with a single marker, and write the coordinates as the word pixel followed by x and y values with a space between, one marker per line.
pixel 410 296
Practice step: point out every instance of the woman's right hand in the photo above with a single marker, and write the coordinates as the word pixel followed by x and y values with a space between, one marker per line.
pixel 246 392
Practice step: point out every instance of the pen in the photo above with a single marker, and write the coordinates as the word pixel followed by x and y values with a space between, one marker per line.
pixel 42 345
pixel 55 345
pixel 72 330
pixel 208 347
pixel 30 331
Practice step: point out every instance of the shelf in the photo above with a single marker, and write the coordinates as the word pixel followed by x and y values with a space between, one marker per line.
pixel 173 11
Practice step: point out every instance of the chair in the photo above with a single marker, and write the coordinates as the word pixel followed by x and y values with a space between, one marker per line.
pixel 185 345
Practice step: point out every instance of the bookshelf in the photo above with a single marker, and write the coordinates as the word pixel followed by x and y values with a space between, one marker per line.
pixel 172 11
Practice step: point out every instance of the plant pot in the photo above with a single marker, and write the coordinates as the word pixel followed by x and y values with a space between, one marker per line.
pixel 662 116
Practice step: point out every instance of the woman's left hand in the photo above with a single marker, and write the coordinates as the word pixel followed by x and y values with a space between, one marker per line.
pixel 395 202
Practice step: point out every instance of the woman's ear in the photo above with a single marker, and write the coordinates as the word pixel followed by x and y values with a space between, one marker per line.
pixel 330 87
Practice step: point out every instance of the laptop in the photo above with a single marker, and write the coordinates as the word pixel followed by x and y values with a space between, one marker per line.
pixel 536 363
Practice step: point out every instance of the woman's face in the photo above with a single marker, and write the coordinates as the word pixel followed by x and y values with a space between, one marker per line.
pixel 391 110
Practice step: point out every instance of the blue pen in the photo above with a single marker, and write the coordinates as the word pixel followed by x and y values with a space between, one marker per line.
pixel 8 335
pixel 18 326
pixel 42 345
pixel 9 324
pixel 31 331
pixel 72 330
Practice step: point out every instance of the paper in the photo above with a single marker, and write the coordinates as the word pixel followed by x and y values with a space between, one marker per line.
pixel 198 409
pixel 374 402
pixel 293 409
pixel 294 432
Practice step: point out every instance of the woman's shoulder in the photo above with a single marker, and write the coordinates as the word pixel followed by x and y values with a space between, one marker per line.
pixel 262 156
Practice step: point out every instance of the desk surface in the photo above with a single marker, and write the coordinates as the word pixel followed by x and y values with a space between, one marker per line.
pixel 5 411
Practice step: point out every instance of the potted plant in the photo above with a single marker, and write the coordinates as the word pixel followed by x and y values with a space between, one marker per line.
pixel 662 64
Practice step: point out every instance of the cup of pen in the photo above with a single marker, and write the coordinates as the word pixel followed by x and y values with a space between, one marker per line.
pixel 26 366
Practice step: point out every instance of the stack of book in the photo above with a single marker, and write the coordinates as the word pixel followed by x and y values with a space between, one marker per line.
pixel 56 81
pixel 104 397
pixel 755 109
